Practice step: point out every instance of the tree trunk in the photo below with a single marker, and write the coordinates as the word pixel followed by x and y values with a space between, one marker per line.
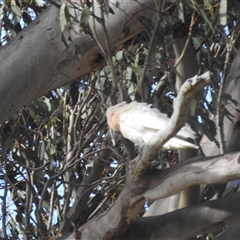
pixel 37 60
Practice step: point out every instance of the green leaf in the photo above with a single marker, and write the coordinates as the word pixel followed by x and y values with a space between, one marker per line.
pixel 45 205
pixel 119 55
pixel 85 15
pixel 2 11
pixel 193 107
pixel 137 70
pixel 16 9
pixel 41 150
pixel 35 116
pixel 131 91
pixel 64 16
pixel 197 41
pixel 181 12
pixel 223 12
pixel 51 148
pixel 48 103
pixel 129 73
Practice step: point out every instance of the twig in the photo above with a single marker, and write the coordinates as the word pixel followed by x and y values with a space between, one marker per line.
pixel 219 113
pixel 51 208
pixel 107 55
pixel 188 39
pixel 147 59
pixel 4 198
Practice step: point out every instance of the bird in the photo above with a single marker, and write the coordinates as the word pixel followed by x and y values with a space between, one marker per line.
pixel 139 122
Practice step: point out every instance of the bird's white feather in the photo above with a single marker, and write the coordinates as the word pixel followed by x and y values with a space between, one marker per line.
pixel 143 115
pixel 138 122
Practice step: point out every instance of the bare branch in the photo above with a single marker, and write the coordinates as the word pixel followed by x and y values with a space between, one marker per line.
pixel 211 216
pixel 81 197
pixel 187 91
pixel 219 115
pixel 192 172
pixel 159 184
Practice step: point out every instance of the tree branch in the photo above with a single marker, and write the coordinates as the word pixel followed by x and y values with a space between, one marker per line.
pixel 186 93
pixel 188 222
pixel 192 172
pixel 82 195
pixel 155 185
pixel 50 63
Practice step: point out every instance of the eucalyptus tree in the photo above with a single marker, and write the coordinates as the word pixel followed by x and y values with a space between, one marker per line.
pixel 63 64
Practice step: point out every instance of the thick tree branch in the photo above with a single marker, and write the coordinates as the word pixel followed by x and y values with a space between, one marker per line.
pixel 49 63
pixel 156 185
pixel 191 172
pixel 188 222
pixel 187 91
pixel 116 220
pixel 232 232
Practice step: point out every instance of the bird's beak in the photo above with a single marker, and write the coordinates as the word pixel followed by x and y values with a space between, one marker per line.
pixel 112 134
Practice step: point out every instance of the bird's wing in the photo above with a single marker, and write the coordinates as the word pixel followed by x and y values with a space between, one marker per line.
pixel 130 132
pixel 144 115
pixel 178 143
pixel 139 123
pixel 152 118
pixel 133 123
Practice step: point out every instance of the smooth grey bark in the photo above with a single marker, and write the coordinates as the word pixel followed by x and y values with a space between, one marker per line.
pixel 186 68
pixel 160 184
pixel 188 222
pixel 37 61
pixel 232 232
pixel 163 206
pixel 231 126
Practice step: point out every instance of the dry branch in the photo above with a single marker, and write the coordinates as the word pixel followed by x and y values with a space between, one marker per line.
pixel 158 185
pixel 48 63
pixel 188 222
pixel 196 171
pixel 186 93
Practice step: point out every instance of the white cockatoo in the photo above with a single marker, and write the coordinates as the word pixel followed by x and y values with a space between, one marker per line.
pixel 138 122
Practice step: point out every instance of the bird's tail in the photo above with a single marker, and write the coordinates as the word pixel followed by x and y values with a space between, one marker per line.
pixel 182 137
pixel 187 132
pixel 178 143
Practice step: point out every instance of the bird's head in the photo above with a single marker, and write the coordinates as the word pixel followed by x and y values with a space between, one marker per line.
pixel 113 114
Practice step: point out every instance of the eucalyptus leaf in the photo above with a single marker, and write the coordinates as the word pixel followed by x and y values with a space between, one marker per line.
pixel 2 11
pixel 41 150
pixel 137 70
pixel 223 12
pixel 64 16
pixel 85 15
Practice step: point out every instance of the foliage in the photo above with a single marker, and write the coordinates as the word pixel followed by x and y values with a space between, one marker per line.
pixel 49 146
pixel 15 15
